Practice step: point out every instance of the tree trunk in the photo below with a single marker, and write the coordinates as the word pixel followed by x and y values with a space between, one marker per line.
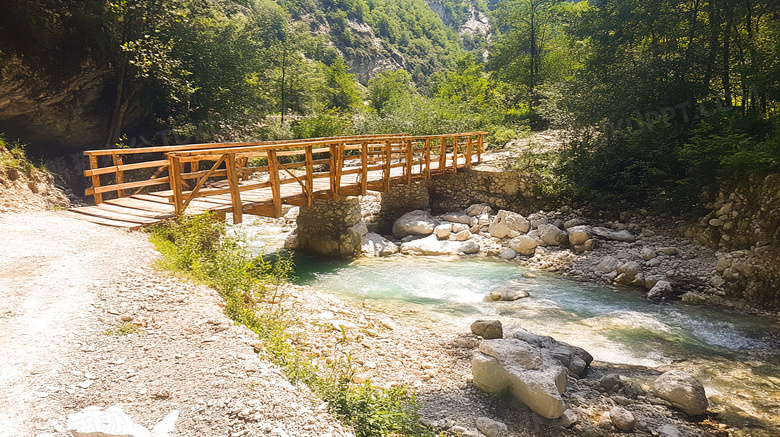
pixel 117 115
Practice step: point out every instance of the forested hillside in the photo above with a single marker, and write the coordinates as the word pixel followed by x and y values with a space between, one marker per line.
pixel 658 99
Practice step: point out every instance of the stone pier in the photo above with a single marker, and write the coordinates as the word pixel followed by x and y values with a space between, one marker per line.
pixel 330 228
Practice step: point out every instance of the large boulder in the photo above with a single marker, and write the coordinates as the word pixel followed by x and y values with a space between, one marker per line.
pixel 508 224
pixel 662 290
pixel 682 391
pixel 524 244
pixel 527 372
pixel 487 329
pixel 443 230
pixel 492 428
pixel 579 234
pixel 431 245
pixel 622 419
pixel 416 223
pixel 478 209
pixel 573 358
pixel 551 235
pixel 376 245
pixel 457 217
pixel 611 234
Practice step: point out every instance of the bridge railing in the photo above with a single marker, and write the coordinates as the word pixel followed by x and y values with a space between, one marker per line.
pixel 110 168
pixel 296 171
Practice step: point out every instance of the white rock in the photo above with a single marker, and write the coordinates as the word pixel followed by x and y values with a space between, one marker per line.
pixel 457 217
pixel 416 222
pixel 373 245
pixel 579 234
pixel 610 234
pixel 532 377
pixel 360 228
pixel 568 418
pixel 443 231
pixel 459 227
pixel 682 391
pixel 111 422
pixel 622 418
pixel 492 428
pixel 661 290
pixel 463 235
pixel 165 426
pixel 550 234
pixel 507 254
pixel 478 209
pixel 431 245
pixel 508 224
pixel 524 244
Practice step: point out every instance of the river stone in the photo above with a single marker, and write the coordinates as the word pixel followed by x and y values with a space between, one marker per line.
pixel 431 245
pixel 608 264
pixel 723 264
pixel 610 234
pixel 487 329
pixel 507 295
pixel 492 428
pixel 457 217
pixel 682 391
pixel 459 227
pixel 668 251
pixel 508 224
pixel 373 245
pixel 463 235
pixel 579 234
pixel 417 222
pixel 530 376
pixel 648 254
pixel 507 254
pixel 568 418
pixel 622 418
pixel 573 223
pixel 551 235
pixel 662 290
pixel 111 422
pixel 443 231
pixel 524 244
pixel 478 209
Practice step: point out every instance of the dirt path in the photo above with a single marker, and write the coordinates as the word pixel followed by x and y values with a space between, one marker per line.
pixel 67 284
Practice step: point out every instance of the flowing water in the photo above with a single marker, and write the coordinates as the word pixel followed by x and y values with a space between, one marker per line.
pixel 736 356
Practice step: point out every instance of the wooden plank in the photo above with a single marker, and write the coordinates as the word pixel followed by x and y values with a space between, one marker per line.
pixel 111 215
pixel 93 164
pixel 135 212
pixel 443 154
pixel 409 160
pixel 469 151
pixel 120 175
pixel 273 165
pixel 388 158
pixel 455 154
pixel 364 169
pixel 108 188
pixel 125 167
pixel 480 146
pixel 104 222
pixel 235 193
pixel 427 158
pixel 141 205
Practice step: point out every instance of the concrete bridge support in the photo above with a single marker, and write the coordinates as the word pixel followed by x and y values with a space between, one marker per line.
pixel 330 228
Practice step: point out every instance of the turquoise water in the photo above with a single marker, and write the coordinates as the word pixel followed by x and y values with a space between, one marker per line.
pixel 736 356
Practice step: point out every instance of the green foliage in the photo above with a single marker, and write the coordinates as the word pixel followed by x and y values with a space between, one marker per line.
pixel 200 247
pixel 388 85
pixel 122 329
pixel 340 89
pixel 14 155
pixel 323 124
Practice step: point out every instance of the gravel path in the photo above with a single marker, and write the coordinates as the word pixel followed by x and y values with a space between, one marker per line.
pixel 66 287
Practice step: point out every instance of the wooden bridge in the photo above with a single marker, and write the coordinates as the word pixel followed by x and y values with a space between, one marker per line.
pixel 139 187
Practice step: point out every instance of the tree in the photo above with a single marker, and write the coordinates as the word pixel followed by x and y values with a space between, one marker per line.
pixel 340 89
pixel 386 86
pixel 526 32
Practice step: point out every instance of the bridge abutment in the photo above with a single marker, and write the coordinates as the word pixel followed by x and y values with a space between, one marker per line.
pixel 330 228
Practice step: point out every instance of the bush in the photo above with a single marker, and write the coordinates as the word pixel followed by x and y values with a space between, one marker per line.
pixel 199 247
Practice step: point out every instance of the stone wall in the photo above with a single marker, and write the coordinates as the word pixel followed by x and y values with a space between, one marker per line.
pixel 399 200
pixel 499 189
pixel 330 228
pixel 744 225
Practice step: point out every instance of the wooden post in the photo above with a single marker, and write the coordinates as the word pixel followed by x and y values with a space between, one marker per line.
pixel 409 160
pixel 333 163
pixel 235 193
pixel 339 167
pixel 455 153
pixel 120 175
pixel 309 174
pixel 469 151
pixel 364 170
pixel 174 176
pixel 388 157
pixel 480 146
pixel 273 170
pixel 443 155
pixel 427 158
pixel 93 165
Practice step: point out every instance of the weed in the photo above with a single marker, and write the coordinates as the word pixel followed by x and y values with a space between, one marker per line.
pixel 122 329
pixel 199 248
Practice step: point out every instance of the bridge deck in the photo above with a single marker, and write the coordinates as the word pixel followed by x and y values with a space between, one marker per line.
pixel 138 210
